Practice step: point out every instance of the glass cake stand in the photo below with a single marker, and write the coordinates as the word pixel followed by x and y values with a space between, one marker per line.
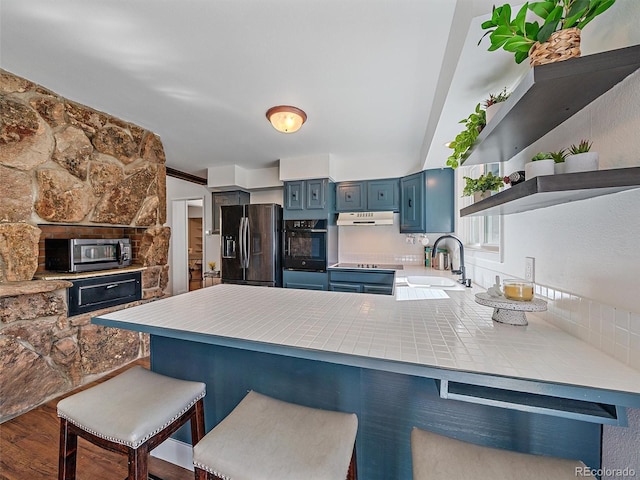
pixel 511 312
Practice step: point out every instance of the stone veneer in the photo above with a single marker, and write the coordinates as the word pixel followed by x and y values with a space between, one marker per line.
pixel 67 170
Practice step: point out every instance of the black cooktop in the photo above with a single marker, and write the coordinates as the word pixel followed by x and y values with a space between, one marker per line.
pixel 368 266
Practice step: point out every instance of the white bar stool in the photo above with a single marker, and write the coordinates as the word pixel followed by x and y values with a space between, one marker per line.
pixel 265 439
pixel 436 457
pixel 131 413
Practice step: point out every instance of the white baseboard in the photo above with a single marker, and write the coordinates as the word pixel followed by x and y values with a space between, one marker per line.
pixel 176 452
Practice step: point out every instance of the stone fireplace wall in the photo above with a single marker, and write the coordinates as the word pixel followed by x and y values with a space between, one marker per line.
pixel 66 171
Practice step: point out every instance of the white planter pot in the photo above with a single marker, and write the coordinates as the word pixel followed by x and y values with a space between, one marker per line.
pixel 560 168
pixel 492 110
pixel 477 196
pixel 582 162
pixel 539 168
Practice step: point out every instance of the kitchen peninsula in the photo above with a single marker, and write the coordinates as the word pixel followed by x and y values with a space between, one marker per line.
pixel 442 365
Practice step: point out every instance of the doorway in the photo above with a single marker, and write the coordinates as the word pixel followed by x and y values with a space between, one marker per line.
pixel 187 245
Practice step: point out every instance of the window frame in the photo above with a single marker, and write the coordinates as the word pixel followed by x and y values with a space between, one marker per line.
pixel 474 229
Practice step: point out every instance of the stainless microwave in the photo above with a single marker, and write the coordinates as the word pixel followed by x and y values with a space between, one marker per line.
pixel 86 254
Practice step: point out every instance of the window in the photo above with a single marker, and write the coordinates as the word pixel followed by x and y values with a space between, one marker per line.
pixel 480 232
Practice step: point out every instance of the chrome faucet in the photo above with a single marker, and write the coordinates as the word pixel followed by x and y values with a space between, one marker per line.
pixel 461 271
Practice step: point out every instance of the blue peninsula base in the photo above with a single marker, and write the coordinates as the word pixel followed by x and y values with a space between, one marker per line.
pixel 388 404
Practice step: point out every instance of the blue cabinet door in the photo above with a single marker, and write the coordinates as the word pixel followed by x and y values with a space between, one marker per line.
pixel 316 194
pixel 294 195
pixel 351 196
pixel 357 281
pixel 427 201
pixel 383 195
pixel 305 280
pixel 412 199
pixel 439 201
pixel 345 287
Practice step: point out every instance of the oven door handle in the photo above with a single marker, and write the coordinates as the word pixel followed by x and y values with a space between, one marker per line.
pixel 308 230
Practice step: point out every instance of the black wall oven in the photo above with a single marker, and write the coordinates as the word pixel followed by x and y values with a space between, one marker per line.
pixel 306 245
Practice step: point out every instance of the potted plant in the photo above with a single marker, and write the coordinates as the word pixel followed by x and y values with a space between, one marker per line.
pixel 541 164
pixel 212 267
pixel 559 158
pixel 482 187
pixel 581 158
pixel 474 124
pixel 556 38
pixel 494 102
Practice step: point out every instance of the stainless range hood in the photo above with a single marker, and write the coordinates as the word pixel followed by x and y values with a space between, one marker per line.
pixel 365 218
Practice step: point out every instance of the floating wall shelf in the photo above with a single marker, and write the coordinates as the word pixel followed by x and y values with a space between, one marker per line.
pixel 546 97
pixel 550 190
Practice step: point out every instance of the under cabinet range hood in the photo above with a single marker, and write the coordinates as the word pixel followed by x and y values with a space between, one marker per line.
pixel 365 218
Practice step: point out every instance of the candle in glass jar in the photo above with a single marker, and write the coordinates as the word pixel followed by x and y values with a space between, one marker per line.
pixel 518 290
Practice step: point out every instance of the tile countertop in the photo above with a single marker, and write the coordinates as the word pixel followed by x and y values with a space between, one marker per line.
pixel 453 334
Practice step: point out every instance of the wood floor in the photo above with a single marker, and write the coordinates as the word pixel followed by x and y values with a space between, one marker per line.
pixel 29 449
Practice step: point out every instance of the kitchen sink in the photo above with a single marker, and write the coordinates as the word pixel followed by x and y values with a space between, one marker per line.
pixel 430 282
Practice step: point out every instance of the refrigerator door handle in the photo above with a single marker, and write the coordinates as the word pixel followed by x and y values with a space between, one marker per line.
pixel 247 248
pixel 241 241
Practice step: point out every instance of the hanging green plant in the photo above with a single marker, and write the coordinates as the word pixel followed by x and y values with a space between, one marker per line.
pixel 474 124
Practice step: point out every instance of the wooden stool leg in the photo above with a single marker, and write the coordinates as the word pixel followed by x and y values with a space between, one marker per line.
pixel 202 474
pixel 352 474
pixel 138 463
pixel 67 453
pixel 197 423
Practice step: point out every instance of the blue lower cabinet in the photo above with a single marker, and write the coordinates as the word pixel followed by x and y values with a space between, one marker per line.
pixel 345 287
pixel 357 281
pixel 305 280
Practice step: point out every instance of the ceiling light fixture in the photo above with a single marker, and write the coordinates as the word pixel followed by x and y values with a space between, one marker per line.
pixel 286 119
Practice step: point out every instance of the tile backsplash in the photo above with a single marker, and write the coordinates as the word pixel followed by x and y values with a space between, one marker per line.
pixel 614 331
pixel 388 258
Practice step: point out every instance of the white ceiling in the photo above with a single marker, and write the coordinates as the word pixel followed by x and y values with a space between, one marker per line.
pixel 375 77
pixel 202 73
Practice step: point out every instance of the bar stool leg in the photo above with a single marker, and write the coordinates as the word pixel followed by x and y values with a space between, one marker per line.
pixel 202 475
pixel 352 474
pixel 68 452
pixel 138 463
pixel 197 423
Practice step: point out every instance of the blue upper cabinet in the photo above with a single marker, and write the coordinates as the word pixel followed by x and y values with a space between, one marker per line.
pixel 308 199
pixel 427 202
pixel 316 196
pixel 368 195
pixel 411 208
pixel 294 195
pixel 439 200
pixel 351 196
pixel 383 195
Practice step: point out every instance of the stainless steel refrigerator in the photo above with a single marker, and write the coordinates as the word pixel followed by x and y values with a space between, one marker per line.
pixel 251 238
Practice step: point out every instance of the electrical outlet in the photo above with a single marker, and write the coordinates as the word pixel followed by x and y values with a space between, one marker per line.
pixel 529 269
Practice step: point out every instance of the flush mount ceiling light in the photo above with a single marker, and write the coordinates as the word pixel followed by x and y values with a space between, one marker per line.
pixel 286 119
